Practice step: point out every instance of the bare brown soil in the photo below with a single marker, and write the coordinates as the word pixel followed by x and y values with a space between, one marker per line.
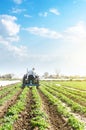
pixel 57 122
pixel 10 102
pixel 23 123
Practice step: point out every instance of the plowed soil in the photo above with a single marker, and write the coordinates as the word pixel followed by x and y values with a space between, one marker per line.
pixel 4 108
pixel 56 122
pixel 23 123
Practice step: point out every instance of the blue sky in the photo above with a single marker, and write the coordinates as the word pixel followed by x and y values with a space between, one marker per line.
pixel 49 35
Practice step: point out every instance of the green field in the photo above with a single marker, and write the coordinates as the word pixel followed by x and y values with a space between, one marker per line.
pixel 55 105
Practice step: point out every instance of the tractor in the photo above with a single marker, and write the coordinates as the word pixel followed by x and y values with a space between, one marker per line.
pixel 30 80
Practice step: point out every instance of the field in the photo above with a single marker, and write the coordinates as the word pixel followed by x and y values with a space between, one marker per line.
pixel 55 105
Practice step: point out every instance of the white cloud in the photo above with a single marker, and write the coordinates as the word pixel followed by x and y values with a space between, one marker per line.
pixel 44 32
pixel 74 49
pixel 54 11
pixel 18 1
pixel 76 33
pixel 17 10
pixel 45 14
pixel 70 56
pixel 20 51
pixel 17 51
pixel 9 28
pixel 27 16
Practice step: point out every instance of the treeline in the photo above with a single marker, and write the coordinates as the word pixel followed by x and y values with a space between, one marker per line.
pixel 6 76
pixel 46 75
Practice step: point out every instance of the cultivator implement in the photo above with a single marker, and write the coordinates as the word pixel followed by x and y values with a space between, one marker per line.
pixel 30 81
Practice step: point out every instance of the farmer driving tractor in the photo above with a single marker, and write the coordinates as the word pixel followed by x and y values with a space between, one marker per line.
pixel 30 79
pixel 31 75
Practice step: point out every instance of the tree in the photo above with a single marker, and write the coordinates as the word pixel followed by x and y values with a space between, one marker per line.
pixel 7 76
pixel 46 74
pixel 57 72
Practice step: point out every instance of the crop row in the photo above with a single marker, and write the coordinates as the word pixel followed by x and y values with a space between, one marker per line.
pixel 75 97
pixel 39 119
pixel 62 110
pixel 68 89
pixel 13 112
pixel 73 105
pixel 5 91
pixel 73 94
pixel 74 84
pixel 76 92
pixel 7 97
pixel 7 88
